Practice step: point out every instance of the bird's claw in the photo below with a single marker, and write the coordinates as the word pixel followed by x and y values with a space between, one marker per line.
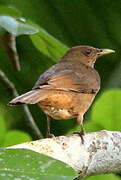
pixel 50 135
pixel 81 134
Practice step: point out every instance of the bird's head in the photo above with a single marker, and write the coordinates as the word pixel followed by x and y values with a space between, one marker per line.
pixel 85 54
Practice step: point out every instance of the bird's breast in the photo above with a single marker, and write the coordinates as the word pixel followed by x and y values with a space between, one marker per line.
pixel 57 105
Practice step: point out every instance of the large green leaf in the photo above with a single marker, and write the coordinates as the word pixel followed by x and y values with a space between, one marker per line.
pixel 26 164
pixel 16 27
pixel 48 45
pixel 107 110
pixel 12 21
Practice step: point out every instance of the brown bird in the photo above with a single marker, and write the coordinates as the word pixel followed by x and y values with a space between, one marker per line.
pixel 67 89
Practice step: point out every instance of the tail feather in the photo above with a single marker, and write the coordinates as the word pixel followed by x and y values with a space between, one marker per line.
pixel 31 97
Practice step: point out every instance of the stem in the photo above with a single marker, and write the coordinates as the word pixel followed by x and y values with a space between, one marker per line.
pixel 8 41
pixel 11 88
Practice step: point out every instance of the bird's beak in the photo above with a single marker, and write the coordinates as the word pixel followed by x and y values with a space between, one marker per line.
pixel 101 52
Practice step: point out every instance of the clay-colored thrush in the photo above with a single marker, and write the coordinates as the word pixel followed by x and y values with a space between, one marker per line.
pixel 67 89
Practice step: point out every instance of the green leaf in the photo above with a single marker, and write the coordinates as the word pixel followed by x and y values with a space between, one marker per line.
pixel 12 21
pixel 15 137
pixel 10 11
pixel 48 45
pixel 104 177
pixel 2 128
pixel 16 27
pixel 107 110
pixel 26 164
pixel 89 126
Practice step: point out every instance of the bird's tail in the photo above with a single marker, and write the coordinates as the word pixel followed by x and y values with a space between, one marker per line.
pixel 31 97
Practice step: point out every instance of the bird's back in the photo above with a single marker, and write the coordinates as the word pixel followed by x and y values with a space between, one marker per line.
pixel 69 88
pixel 70 76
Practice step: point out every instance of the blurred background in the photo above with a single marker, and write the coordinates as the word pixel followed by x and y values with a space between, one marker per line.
pixel 43 31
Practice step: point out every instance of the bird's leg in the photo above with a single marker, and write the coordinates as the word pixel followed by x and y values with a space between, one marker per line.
pixel 80 121
pixel 48 126
pixel 48 134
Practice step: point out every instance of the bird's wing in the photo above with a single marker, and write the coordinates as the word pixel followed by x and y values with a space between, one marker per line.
pixel 68 80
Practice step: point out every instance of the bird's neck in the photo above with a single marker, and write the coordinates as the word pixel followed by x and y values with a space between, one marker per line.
pixel 73 59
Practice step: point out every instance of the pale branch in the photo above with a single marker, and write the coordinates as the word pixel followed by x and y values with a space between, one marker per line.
pixel 11 88
pixel 100 153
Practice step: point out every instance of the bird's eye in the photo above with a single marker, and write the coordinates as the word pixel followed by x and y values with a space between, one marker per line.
pixel 88 51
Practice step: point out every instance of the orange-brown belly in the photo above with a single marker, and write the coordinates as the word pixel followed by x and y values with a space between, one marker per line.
pixel 66 105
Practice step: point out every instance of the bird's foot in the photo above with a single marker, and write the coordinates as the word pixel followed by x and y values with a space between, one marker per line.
pixel 49 135
pixel 81 134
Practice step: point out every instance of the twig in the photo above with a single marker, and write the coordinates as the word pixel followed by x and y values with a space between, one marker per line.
pixel 11 88
pixel 9 44
pixel 100 153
